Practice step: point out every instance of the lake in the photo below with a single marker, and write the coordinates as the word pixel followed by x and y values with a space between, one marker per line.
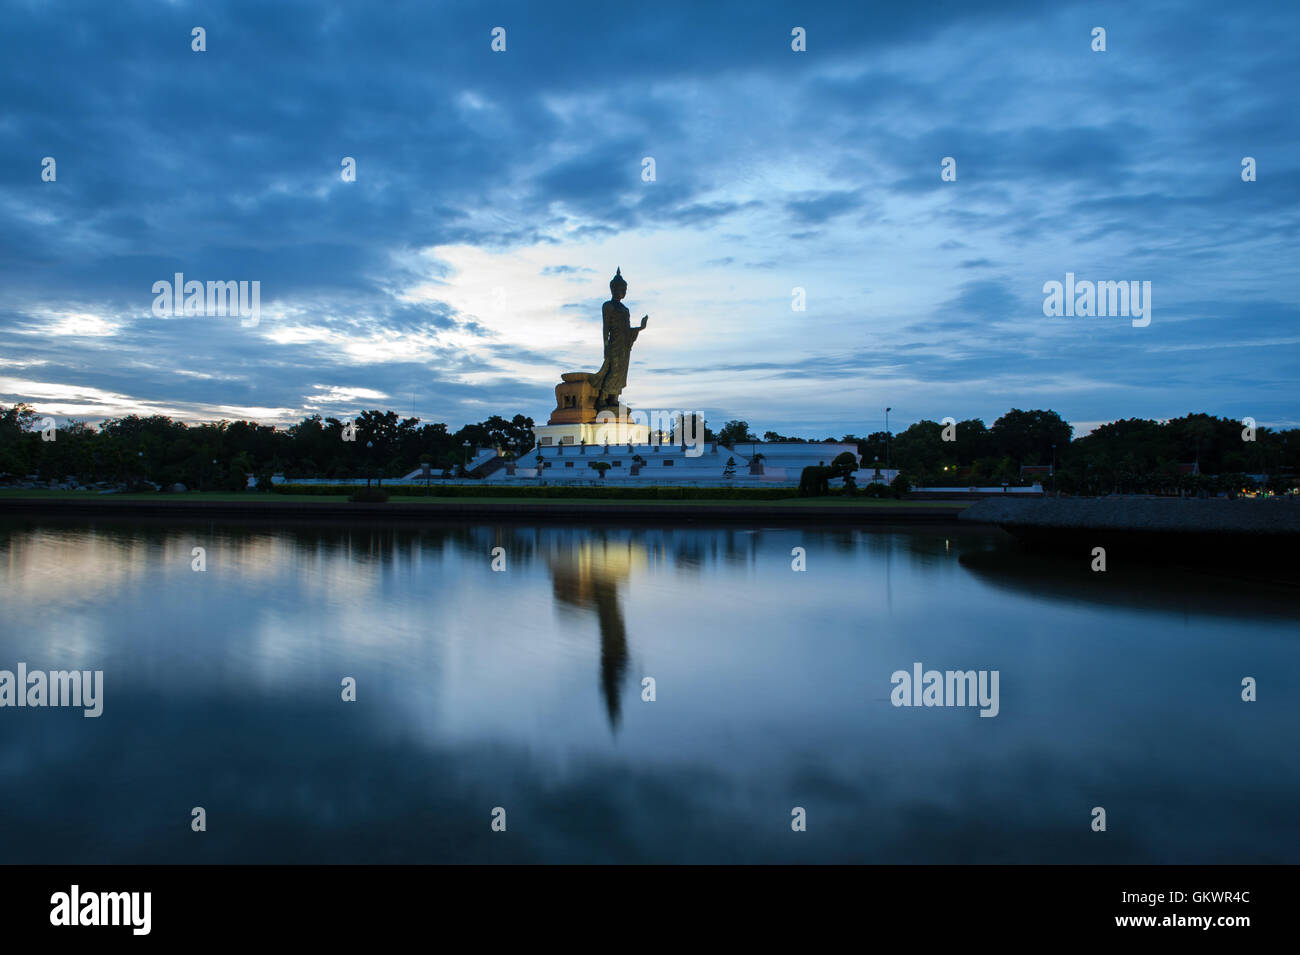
pixel 516 694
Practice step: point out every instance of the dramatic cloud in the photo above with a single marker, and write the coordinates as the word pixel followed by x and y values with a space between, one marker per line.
pixel 495 193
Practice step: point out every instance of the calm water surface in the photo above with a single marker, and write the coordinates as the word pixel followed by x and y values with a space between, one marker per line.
pixel 522 689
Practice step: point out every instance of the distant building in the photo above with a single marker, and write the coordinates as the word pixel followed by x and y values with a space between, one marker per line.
pixel 753 464
pixel 758 464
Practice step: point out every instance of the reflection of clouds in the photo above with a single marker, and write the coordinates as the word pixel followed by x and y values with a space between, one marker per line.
pixel 47 567
pixel 77 643
pixel 58 566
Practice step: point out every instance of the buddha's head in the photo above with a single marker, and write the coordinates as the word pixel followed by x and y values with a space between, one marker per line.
pixel 618 285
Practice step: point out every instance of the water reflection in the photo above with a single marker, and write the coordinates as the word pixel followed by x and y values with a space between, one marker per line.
pixel 587 574
pixel 479 688
pixel 1056 579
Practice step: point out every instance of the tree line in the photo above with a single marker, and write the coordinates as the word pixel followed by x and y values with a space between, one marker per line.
pixel 1133 455
pixel 220 455
pixel 1130 455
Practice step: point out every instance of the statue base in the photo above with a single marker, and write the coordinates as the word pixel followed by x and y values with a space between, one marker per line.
pixel 592 434
pixel 580 419
pixel 575 399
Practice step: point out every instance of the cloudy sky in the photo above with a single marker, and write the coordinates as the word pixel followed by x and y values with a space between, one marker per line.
pixel 496 192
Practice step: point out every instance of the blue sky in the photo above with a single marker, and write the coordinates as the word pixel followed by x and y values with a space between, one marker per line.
pixel 496 192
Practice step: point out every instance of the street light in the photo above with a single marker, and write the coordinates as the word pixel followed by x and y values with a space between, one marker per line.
pixel 887 410
pixel 369 446
pixel 465 444
pixel 1053 468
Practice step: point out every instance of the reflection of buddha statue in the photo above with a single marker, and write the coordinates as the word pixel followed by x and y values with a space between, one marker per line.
pixel 589 578
pixel 619 335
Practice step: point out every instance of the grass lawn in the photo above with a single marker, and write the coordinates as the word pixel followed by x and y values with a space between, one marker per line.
pixel 832 501
pixel 45 494
pixel 254 499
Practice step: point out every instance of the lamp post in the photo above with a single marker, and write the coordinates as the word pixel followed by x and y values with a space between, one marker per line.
pixel 1053 468
pixel 465 445
pixel 887 410
pixel 369 451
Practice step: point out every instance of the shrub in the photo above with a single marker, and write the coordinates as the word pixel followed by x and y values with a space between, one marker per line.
pixel 813 481
pixel 368 495
pixel 901 486
pixel 1278 484
pixel 591 492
